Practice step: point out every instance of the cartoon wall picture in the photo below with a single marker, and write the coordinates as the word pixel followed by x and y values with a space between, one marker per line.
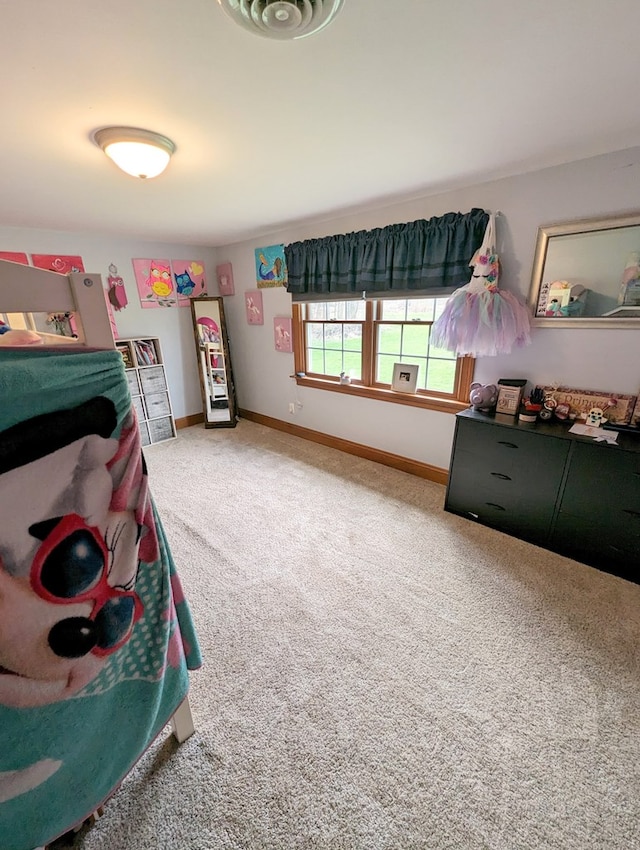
pixel 61 263
pixel 155 282
pixel 116 292
pixel 112 318
pixel 282 333
pixel 224 273
pixel 69 552
pixel 15 257
pixel 189 279
pixel 253 305
pixel 271 269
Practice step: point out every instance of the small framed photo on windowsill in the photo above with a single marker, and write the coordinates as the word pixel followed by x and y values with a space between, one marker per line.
pixel 405 377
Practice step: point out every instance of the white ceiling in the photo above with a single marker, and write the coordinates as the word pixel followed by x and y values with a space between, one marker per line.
pixel 394 99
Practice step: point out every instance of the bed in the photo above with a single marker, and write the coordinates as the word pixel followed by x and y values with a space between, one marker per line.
pixel 96 637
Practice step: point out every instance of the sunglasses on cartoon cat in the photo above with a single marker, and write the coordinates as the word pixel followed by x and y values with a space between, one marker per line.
pixel 71 566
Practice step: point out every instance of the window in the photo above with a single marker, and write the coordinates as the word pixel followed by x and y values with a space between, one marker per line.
pixel 333 334
pixel 363 339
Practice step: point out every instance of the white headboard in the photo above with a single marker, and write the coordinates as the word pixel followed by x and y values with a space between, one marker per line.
pixel 25 289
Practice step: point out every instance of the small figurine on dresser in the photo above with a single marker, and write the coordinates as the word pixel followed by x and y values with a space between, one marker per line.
pixel 595 417
pixel 531 406
pixel 510 393
pixel 483 397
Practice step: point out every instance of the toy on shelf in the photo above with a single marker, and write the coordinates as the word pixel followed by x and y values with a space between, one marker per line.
pixel 565 300
pixel 535 400
pixel 595 417
pixel 629 295
pixel 483 397
pixel 510 392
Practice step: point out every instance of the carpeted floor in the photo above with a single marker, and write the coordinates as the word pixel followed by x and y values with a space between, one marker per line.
pixel 379 675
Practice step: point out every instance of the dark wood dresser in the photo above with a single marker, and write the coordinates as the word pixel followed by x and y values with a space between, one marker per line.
pixel 558 490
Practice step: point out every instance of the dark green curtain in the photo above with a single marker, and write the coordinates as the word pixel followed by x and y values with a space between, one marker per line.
pixel 431 254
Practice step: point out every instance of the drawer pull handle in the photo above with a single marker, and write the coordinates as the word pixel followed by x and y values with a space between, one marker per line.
pixel 500 476
pixel 634 514
pixel 508 445
pixel 497 507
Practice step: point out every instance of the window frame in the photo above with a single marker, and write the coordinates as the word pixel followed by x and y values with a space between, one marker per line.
pixel 366 388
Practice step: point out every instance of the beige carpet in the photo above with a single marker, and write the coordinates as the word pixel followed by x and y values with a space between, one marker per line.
pixel 379 674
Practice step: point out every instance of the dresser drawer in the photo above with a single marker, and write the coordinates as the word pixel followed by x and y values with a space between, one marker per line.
pixel 527 477
pixel 608 522
pixel 603 484
pixel 509 460
pixel 506 478
pixel 509 451
pixel 597 544
pixel 522 508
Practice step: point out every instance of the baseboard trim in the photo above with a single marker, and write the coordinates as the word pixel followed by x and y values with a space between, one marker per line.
pixel 187 421
pixel 405 464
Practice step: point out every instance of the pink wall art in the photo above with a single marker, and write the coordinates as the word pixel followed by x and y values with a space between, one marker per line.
pixel 282 333
pixel 224 273
pixel 253 304
pixel 189 278
pixel 169 283
pixel 14 257
pixel 61 263
pixel 154 282
pixel 117 294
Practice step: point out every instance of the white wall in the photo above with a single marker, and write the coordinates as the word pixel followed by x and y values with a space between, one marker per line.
pixel 172 325
pixel 598 359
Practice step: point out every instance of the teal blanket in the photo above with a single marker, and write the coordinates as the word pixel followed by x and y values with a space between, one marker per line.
pixel 96 637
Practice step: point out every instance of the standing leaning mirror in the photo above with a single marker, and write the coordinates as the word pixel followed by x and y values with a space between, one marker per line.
pixel 214 362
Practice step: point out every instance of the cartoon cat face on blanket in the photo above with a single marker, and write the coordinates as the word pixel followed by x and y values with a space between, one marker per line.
pixel 69 549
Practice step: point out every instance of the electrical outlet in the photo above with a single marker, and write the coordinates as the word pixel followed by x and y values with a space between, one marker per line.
pixel 292 407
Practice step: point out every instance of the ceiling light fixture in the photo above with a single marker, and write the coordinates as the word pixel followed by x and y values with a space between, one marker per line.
pixel 282 19
pixel 141 153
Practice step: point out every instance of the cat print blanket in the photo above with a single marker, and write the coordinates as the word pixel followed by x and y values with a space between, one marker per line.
pixel 96 637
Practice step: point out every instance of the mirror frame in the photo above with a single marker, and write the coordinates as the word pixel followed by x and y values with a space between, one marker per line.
pixel 231 389
pixel 570 228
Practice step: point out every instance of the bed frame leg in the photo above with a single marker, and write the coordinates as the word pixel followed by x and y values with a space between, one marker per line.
pixel 182 722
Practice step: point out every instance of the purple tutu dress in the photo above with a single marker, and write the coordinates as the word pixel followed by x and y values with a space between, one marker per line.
pixel 479 319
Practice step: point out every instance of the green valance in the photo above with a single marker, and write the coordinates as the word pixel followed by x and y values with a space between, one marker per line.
pixel 422 255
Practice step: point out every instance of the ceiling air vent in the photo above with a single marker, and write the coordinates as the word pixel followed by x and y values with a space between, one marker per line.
pixel 282 19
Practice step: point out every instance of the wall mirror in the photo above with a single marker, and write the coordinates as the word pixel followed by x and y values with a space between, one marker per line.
pixel 587 274
pixel 214 363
